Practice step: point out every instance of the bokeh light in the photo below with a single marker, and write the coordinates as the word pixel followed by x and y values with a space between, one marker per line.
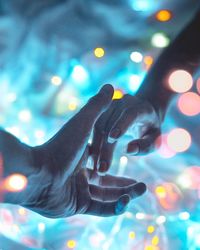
pixel 180 81
pixel 160 219
pixel 190 178
pixel 134 82
pixel 52 74
pixel 80 76
pixel 168 195
pixel 163 15
pixel 15 183
pixel 160 191
pixel 56 80
pixel 118 94
pixel 41 227
pixel 25 115
pixel 22 211
pixel 148 61
pixel 99 52
pixel 150 229
pixel 71 244
pixel 155 240
pixel 179 140
pixel 189 103
pixel 141 5
pixel 136 57
pixel 160 40
pixel 163 148
pixel 184 216
pixel 73 104
pixel 131 235
pixel 140 216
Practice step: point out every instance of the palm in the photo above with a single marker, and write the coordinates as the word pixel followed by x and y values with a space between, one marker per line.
pixel 62 186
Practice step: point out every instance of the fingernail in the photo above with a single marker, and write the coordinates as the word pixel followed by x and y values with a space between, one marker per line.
pixel 133 149
pixel 115 133
pixel 122 203
pixel 111 140
pixel 103 166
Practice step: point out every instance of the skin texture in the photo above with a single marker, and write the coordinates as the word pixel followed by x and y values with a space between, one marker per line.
pixel 59 185
pixel 144 112
pixel 128 113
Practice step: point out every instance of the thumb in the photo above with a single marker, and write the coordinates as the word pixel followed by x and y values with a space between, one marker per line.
pixel 74 134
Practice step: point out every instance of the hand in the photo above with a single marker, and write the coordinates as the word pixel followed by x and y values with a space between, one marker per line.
pixel 61 187
pixel 130 112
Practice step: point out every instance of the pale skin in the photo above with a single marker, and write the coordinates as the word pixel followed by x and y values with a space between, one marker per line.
pixel 145 110
pixel 59 184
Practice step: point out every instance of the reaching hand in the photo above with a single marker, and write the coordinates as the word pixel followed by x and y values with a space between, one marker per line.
pixel 61 186
pixel 130 112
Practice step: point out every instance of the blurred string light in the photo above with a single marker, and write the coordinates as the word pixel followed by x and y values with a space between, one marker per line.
pixel 22 211
pixel 190 178
pixel 155 240
pixel 163 148
pixel 39 134
pixel 136 57
pixel 184 216
pixel 80 76
pixel 160 219
pixel 25 115
pixel 180 81
pixel 73 104
pixel 160 191
pixel 148 61
pixel 150 229
pixel 118 94
pixel 131 235
pixel 179 140
pixel 99 52
pixel 134 82
pixel 160 40
pixel 56 80
pixel 71 244
pixel 41 227
pixel 163 15
pixel 189 104
pixel 168 195
pixel 15 183
pixel 140 216
pixel 184 181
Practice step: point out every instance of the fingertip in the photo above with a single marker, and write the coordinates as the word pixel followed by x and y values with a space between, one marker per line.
pixel 140 188
pixel 107 89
